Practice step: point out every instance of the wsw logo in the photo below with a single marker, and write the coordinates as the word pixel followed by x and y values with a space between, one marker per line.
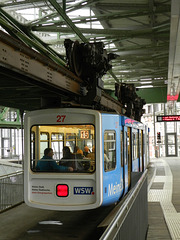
pixel 83 190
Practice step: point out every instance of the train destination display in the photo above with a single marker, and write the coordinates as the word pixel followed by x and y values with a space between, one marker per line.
pixel 168 118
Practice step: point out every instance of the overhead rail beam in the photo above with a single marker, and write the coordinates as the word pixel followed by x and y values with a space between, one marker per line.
pixel 15 55
pixel 38 72
pixel 24 33
pixel 15 29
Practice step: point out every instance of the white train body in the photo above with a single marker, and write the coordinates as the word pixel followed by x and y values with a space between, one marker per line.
pixel 40 188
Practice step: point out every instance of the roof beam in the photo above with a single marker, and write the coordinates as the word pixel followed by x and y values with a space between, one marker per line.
pixel 145 33
pixel 68 20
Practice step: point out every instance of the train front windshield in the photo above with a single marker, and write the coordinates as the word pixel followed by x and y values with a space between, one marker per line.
pixel 63 148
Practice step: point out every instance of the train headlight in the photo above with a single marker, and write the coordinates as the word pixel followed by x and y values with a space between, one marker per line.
pixel 62 190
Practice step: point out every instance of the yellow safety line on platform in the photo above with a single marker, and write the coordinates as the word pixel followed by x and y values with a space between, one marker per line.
pixel 164 196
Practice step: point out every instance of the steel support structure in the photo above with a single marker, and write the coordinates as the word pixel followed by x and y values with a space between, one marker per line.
pixel 19 58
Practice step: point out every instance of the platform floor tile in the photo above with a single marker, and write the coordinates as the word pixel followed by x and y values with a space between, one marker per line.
pixel 164 220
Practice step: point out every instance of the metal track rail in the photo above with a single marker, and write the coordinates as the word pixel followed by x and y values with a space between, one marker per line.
pixel 20 63
pixel 19 57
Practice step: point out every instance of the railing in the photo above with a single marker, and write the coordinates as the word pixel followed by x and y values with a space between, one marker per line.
pixel 131 220
pixel 11 190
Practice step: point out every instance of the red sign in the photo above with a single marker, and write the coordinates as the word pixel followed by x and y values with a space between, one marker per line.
pixel 172 97
pixel 168 118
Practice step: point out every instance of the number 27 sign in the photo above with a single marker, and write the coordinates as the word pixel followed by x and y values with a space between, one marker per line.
pixel 61 118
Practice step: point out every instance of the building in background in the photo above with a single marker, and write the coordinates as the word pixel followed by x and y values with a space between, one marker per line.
pixel 164 137
pixel 11 140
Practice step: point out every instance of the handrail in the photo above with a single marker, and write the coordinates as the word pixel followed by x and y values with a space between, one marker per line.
pixel 18 172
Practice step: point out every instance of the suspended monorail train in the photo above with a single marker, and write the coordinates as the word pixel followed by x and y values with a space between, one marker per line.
pixel 104 149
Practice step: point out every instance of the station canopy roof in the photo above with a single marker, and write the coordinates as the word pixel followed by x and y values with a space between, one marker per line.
pixel 143 33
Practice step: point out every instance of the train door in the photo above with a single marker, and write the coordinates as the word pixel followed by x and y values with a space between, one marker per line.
pixel 141 160
pixel 134 146
pixel 124 162
pixel 147 148
pixel 129 145
pixel 127 157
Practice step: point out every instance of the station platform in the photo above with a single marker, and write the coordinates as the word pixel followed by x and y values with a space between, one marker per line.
pixel 164 199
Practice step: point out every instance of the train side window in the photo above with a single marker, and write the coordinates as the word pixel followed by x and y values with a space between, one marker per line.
pixel 109 150
pixel 126 148
pixel 122 155
pixel 133 146
pixel 140 143
pixel 135 141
